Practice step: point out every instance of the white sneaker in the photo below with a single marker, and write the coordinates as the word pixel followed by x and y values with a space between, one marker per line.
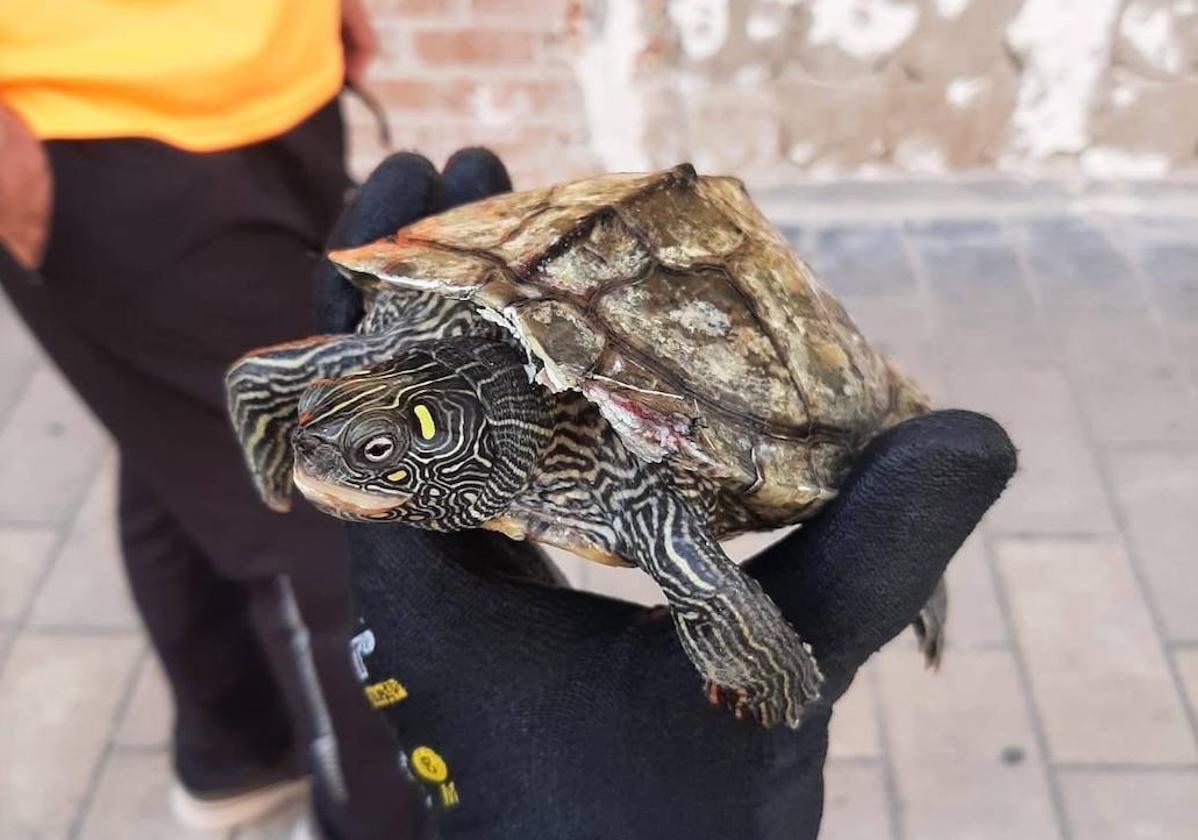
pixel 305 828
pixel 225 812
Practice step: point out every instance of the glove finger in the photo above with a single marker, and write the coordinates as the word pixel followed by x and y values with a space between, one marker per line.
pixel 854 577
pixel 473 174
pixel 402 189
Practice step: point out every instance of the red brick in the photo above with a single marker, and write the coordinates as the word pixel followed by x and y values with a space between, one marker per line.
pixel 527 98
pixel 395 48
pixel 477 47
pixel 423 94
pixel 412 8
pixel 539 12
pixel 458 96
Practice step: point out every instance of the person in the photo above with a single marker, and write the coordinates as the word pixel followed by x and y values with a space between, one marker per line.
pixel 521 708
pixel 168 174
pixel 527 709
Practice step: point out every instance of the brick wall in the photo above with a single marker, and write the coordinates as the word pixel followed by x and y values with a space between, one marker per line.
pixel 454 73
pixel 777 90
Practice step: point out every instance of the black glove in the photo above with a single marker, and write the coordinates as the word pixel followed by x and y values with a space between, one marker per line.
pixel 529 710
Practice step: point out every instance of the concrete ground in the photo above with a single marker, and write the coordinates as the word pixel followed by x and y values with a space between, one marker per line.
pixel 1067 704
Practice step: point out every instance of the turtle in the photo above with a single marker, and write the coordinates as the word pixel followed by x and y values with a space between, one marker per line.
pixel 631 367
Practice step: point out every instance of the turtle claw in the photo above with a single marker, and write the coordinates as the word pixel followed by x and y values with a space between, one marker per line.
pixel 773 700
pixel 764 713
pixel 736 700
pixel 929 627
pixel 724 698
pixel 774 690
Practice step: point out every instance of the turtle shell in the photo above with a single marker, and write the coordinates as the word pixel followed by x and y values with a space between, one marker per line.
pixel 670 302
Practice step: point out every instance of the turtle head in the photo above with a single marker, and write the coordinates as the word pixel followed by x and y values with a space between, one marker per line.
pixel 426 439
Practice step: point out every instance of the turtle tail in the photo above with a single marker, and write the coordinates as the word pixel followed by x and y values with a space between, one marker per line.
pixel 929 625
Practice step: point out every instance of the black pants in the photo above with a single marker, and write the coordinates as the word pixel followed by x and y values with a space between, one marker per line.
pixel 163 267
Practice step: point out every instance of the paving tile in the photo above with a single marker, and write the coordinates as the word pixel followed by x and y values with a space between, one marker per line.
pixel 1146 229
pixel 1169 270
pixel 949 233
pixel 1187 668
pixel 890 323
pixel 1131 806
pixel 853 733
pixel 862 260
pixel 1058 487
pixel 974 617
pixel 855 805
pixel 132 801
pixel 983 308
pixel 902 331
pixel 628 584
pixel 1015 343
pixel 964 756
pixel 1076 268
pixel 1041 194
pixel 58 698
pixel 1131 386
pixel 973 272
pixel 924 366
pixel 87 585
pixel 1157 493
pixel 571 565
pixel 1150 191
pixel 49 449
pixel 148 716
pixel 19 356
pixel 799 237
pixel 1134 387
pixel 24 553
pixel 854 193
pixel 279 826
pixel 1098 674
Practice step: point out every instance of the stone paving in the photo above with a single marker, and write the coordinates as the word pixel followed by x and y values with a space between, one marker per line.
pixel 1067 705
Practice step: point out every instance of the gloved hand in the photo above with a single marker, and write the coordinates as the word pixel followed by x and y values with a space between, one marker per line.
pixel 528 710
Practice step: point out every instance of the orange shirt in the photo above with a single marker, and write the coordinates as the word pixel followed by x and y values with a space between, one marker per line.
pixel 199 74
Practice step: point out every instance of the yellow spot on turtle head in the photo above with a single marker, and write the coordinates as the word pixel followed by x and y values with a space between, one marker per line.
pixel 427 427
pixel 398 475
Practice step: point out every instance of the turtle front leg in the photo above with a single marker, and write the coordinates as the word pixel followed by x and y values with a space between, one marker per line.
pixel 753 660
pixel 264 387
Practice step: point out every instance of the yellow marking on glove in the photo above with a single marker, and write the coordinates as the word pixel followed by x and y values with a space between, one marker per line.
pixel 385 693
pixel 429 765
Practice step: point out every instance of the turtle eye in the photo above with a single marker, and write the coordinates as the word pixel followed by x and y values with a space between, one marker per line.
pixel 378 448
